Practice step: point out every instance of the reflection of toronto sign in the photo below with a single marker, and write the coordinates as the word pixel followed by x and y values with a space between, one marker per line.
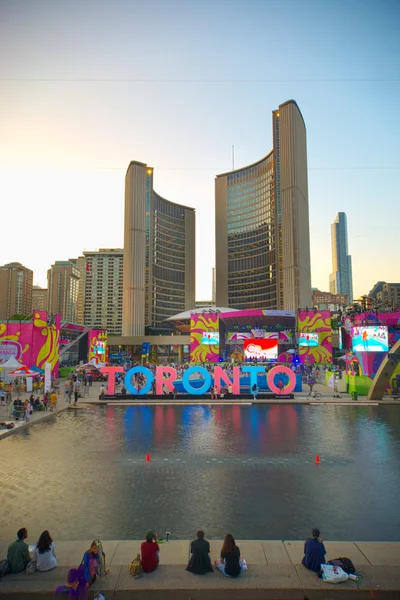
pixel 167 376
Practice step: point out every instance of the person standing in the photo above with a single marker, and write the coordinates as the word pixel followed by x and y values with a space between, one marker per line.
pixel 18 553
pixel 77 386
pixel 53 401
pixel 67 391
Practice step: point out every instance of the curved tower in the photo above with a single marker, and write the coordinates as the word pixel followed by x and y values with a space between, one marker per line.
pixel 159 255
pixel 262 224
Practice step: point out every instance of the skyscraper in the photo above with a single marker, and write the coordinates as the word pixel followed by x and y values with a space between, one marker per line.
pixel 262 224
pixel 159 255
pixel 341 279
pixel 62 290
pixel 15 290
pixel 103 289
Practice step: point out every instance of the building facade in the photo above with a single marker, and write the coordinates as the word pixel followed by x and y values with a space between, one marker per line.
pixel 328 301
pixel 39 298
pixel 159 256
pixel 62 290
pixel 262 224
pixel 102 285
pixel 341 278
pixel 386 295
pixel 15 290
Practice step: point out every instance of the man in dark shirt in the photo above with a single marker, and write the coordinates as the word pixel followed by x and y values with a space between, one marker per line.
pixel 200 562
pixel 18 553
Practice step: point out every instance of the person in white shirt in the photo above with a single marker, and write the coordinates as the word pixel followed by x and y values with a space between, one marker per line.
pixel 45 553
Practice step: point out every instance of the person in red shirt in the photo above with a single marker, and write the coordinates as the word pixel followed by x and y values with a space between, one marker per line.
pixel 149 550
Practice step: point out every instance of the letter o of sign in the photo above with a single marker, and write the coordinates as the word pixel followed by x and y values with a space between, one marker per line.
pixel 289 387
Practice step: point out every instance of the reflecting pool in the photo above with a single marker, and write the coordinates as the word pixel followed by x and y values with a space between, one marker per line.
pixel 249 470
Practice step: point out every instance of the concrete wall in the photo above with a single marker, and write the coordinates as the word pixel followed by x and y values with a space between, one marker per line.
pixel 221 242
pixel 133 321
pixel 296 269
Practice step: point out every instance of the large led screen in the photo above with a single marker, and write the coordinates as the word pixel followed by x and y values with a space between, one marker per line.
pixel 263 349
pixel 210 338
pixel 372 338
pixel 308 339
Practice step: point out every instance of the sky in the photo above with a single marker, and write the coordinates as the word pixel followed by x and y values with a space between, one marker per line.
pixel 87 86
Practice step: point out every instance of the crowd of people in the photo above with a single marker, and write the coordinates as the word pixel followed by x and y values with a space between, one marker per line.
pixel 42 557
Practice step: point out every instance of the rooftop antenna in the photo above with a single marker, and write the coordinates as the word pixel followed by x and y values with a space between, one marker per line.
pixel 233 157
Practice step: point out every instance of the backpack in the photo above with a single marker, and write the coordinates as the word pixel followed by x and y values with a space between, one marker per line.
pixel 345 563
pixel 4 567
pixel 135 568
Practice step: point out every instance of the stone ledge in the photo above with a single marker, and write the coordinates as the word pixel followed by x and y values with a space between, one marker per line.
pixel 173 582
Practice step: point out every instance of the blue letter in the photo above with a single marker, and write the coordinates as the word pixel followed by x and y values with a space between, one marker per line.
pixel 253 374
pixel 128 381
pixel 188 386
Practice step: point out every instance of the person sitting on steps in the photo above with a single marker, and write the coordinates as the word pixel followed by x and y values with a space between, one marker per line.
pixel 314 552
pixel 200 562
pixel 150 552
pixel 230 564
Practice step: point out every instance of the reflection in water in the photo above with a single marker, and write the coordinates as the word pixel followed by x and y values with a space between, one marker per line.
pixel 249 470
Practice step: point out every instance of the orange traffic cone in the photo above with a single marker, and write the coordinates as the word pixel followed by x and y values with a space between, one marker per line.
pixel 317 459
pixel 148 457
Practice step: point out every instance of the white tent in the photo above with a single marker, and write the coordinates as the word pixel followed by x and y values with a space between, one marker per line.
pixel 11 364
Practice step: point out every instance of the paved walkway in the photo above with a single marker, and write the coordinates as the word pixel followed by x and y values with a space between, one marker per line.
pixel 275 572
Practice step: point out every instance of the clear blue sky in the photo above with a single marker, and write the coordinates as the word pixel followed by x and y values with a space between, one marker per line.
pixel 202 75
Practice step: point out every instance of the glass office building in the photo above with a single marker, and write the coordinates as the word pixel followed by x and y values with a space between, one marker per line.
pixel 262 224
pixel 159 256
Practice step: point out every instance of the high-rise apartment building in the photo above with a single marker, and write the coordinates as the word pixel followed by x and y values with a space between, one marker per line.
pixel 62 290
pixel 102 278
pixel 15 290
pixel 341 279
pixel 262 224
pixel 159 255
pixel 80 264
pixel 39 298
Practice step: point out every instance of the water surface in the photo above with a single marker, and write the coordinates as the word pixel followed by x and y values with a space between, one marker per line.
pixel 246 470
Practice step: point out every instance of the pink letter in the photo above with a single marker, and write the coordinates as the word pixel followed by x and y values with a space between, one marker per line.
pixel 219 374
pixel 160 381
pixel 111 377
pixel 282 369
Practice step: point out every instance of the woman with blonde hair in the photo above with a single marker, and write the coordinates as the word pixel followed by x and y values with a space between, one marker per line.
pixel 94 562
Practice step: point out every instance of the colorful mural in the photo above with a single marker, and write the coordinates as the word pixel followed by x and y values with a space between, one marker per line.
pixel 97 345
pixel 32 344
pixel 199 324
pixel 316 322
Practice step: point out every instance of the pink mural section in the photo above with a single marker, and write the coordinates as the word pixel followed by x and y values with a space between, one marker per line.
pixel 32 344
pixel 204 332
pixel 97 346
pixel 310 321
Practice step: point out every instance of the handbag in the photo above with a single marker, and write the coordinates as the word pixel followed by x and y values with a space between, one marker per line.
pixel 31 567
pixel 135 568
pixel 333 574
